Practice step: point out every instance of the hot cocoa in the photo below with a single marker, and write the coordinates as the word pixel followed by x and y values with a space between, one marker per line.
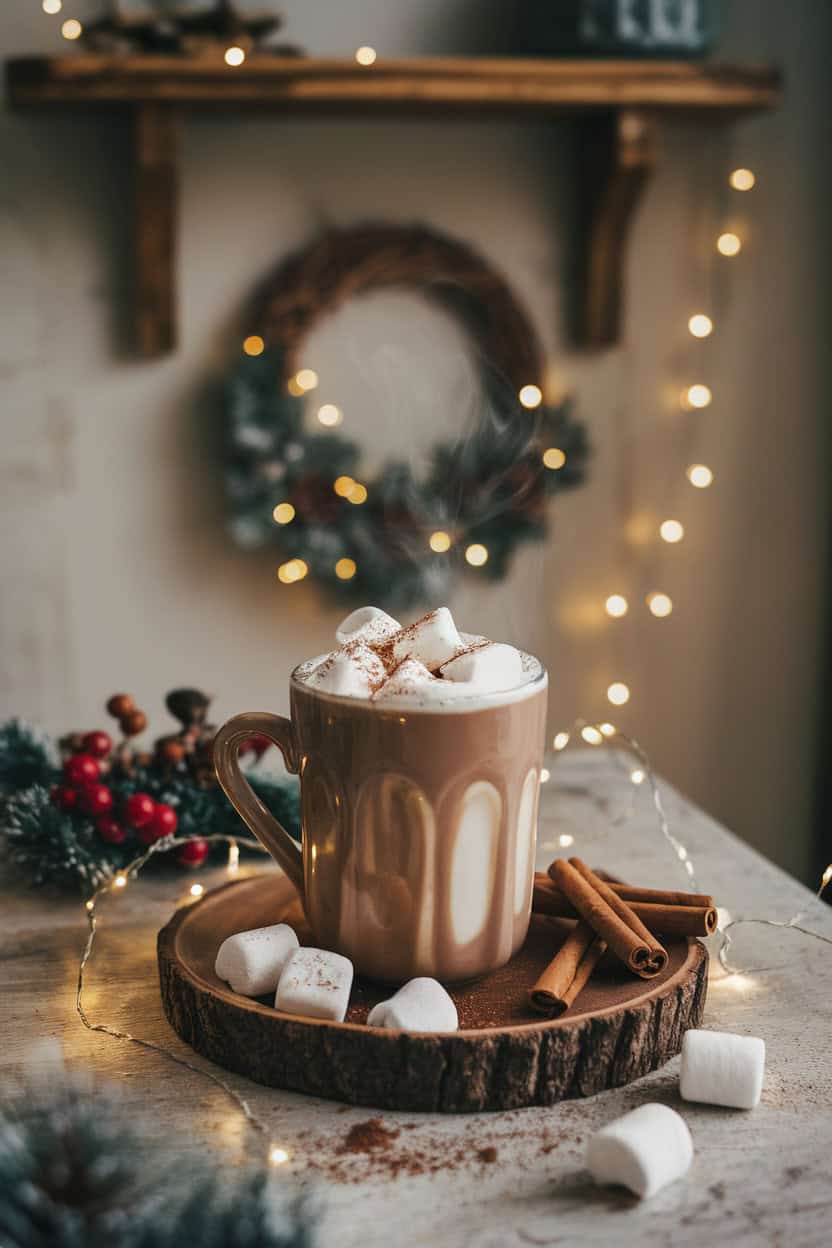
pixel 419 751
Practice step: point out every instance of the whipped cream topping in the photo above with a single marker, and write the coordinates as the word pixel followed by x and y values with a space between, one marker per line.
pixel 424 664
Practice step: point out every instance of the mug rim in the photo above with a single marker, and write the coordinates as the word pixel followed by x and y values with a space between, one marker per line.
pixel 396 705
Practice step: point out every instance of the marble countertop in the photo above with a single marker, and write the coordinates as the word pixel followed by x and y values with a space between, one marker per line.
pixel 488 1180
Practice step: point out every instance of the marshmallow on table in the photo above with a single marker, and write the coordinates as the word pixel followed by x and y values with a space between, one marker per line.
pixel 722 1069
pixel 354 671
pixel 315 984
pixel 421 1005
pixel 432 640
pixel 493 666
pixel 368 624
pixel 251 962
pixel 644 1150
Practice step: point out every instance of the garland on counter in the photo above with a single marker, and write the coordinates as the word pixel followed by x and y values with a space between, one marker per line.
pixel 397 540
pixel 76 812
pixel 72 1175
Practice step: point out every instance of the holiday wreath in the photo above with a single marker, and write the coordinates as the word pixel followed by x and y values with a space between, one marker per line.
pixel 397 540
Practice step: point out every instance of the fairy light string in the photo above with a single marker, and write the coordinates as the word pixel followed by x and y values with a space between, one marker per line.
pixel 599 734
pixel 602 734
pixel 276 1155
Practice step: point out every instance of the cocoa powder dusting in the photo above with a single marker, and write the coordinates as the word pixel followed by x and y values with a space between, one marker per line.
pixel 374 1148
pixel 368 1137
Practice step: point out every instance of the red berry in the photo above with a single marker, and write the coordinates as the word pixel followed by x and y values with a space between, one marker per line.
pixel 98 744
pixel 81 770
pixel 110 830
pixel 148 834
pixel 256 744
pixel 139 809
pixel 194 853
pixel 164 820
pixel 64 797
pixel 96 799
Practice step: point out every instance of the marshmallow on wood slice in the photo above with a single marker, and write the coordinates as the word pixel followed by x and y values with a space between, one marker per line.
pixel 251 962
pixel 355 671
pixel 315 984
pixel 368 624
pixel 421 1005
pixel 492 667
pixel 644 1150
pixel 432 640
pixel 722 1069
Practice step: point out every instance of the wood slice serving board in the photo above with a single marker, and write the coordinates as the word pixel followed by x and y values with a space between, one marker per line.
pixel 503 1056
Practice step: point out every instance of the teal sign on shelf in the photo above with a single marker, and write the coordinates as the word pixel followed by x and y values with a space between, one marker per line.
pixel 645 28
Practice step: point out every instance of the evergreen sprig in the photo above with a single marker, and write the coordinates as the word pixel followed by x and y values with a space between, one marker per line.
pixel 48 845
pixel 72 1176
pixel 27 755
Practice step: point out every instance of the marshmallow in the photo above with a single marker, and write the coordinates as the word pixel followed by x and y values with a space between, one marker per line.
pixel 432 640
pixel 355 671
pixel 494 666
pixel 644 1150
pixel 421 1005
pixel 316 984
pixel 722 1069
pixel 251 962
pixel 368 624
pixel 409 677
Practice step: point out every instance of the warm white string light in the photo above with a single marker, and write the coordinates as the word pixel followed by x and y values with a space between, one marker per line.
pixel 284 513
pixel 659 604
pixel 700 475
pixel 729 244
pixel 616 606
pixel 700 325
pixel 530 396
pixel 253 345
pixel 742 180
pixel 698 395
pixel 671 531
pixel 330 416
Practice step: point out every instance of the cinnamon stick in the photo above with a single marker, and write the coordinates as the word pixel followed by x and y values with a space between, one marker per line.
pixel 657 959
pixel 656 896
pixel 611 918
pixel 568 972
pixel 661 919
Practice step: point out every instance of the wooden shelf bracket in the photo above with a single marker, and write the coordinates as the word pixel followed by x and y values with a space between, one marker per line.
pixel 156 145
pixel 617 153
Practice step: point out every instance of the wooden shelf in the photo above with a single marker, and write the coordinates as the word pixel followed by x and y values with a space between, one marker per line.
pixel 618 105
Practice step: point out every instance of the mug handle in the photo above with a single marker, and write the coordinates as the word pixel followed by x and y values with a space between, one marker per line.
pixel 270 833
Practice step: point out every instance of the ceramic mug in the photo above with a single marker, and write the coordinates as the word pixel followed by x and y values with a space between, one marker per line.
pixel 418 825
